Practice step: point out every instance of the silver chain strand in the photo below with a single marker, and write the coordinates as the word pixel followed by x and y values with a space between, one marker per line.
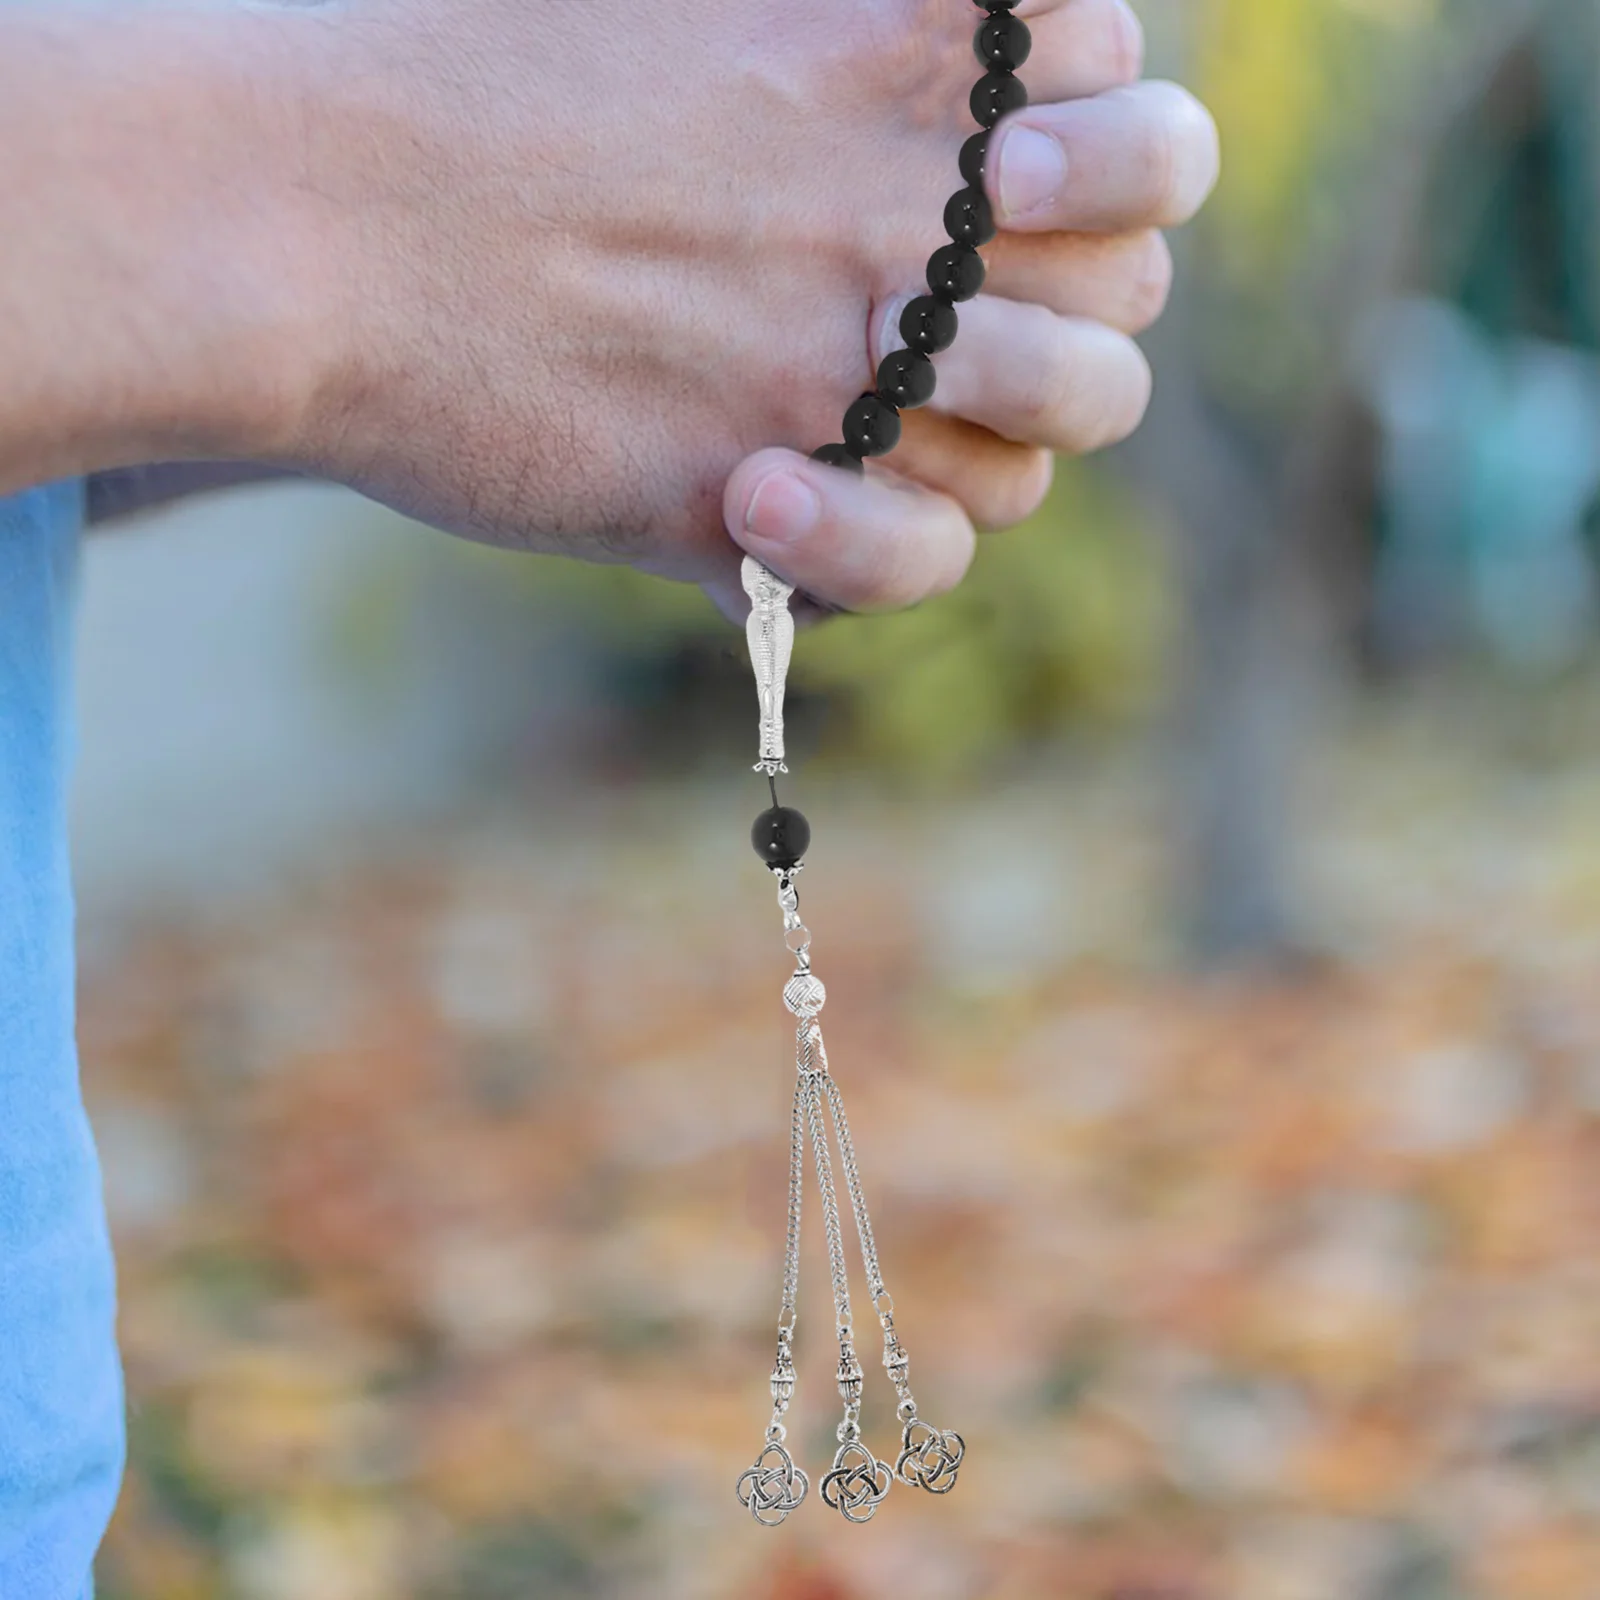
pixel 858 1200
pixel 830 1201
pixel 858 1482
pixel 929 1457
pixel 894 1356
pixel 797 1176
pixel 783 1373
pixel 775 1485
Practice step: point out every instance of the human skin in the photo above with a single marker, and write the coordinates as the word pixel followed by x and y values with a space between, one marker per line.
pixel 577 278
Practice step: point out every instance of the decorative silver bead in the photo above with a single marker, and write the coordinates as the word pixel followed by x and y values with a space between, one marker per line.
pixel 783 1379
pixel 804 994
pixel 850 1380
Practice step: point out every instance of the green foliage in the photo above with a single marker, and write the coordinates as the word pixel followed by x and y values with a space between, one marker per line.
pixel 1064 618
pixel 1317 105
pixel 1061 619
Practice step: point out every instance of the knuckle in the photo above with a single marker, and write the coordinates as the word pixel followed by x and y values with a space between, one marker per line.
pixel 1049 392
pixel 955 569
pixel 897 587
pixel 1106 390
pixel 1134 395
pixel 1011 494
pixel 1033 481
pixel 1127 43
pixel 926 567
pixel 1189 155
pixel 1150 283
pixel 1155 149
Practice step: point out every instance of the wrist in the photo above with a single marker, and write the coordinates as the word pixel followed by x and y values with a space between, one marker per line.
pixel 170 300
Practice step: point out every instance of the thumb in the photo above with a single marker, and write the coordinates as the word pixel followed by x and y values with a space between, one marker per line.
pixel 859 542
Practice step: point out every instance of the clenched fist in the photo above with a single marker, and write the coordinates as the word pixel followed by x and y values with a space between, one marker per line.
pixel 587 276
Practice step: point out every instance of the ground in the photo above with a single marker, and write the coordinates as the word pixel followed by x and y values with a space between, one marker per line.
pixel 449 1200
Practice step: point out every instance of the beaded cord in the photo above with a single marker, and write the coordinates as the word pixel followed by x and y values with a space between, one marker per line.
pixel 906 379
pixel 929 1458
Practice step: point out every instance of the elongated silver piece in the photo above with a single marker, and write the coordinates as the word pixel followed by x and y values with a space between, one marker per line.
pixel 770 632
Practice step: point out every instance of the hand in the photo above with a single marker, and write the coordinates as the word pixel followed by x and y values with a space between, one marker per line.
pixel 608 271
pixel 1044 363
pixel 544 275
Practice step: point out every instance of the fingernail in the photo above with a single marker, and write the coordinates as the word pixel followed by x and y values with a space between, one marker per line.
pixel 783 508
pixel 1033 167
pixel 889 337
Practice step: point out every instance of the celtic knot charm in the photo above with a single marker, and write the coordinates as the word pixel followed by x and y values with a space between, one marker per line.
pixel 770 1492
pixel 930 1463
pixel 858 1484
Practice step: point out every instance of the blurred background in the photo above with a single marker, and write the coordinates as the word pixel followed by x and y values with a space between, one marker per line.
pixel 1209 893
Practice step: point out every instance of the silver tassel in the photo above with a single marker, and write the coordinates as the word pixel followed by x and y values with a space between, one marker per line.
pixel 929 1457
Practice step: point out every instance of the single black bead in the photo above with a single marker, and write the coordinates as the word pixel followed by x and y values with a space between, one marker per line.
pixel 906 379
pixel 968 217
pixel 954 273
pixel 781 837
pixel 994 95
pixel 871 426
pixel 974 153
pixel 1003 41
pixel 928 325
pixel 993 6
pixel 838 455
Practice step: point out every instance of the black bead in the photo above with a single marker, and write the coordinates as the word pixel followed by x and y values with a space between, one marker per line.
pixel 906 379
pixel 928 325
pixel 871 426
pixel 994 95
pixel 968 218
pixel 781 837
pixel 838 455
pixel 974 153
pixel 992 6
pixel 1003 41
pixel 954 273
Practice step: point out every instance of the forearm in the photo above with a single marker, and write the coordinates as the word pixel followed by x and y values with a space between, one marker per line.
pixel 159 296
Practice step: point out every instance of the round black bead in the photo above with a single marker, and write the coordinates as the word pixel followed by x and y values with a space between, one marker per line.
pixel 995 94
pixel 973 155
pixel 928 325
pixel 906 379
pixel 781 837
pixel 993 6
pixel 968 217
pixel 838 455
pixel 871 426
pixel 954 273
pixel 1003 41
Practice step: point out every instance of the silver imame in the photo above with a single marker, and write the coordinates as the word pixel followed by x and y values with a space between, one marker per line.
pixel 770 633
